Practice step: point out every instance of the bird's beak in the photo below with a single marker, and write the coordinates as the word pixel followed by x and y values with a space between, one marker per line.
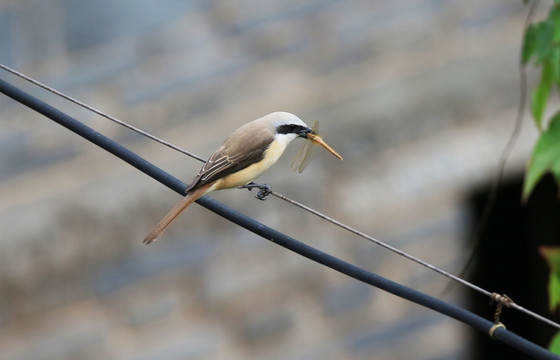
pixel 318 140
pixel 304 133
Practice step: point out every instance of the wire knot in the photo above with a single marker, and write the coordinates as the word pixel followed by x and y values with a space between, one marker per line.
pixel 501 301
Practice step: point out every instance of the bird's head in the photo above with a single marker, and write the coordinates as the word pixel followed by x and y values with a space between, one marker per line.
pixel 291 126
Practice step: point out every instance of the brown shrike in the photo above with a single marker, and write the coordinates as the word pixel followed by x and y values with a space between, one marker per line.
pixel 247 153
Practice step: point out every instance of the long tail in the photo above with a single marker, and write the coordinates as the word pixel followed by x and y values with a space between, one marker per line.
pixel 164 223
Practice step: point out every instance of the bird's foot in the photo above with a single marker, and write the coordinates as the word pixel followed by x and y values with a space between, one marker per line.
pixel 264 190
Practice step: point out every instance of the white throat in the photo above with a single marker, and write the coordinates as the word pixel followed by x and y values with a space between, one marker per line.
pixel 285 139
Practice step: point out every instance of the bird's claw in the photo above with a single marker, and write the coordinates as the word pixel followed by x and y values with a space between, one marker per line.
pixel 264 190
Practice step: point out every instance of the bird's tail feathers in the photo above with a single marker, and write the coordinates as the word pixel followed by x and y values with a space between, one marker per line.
pixel 166 221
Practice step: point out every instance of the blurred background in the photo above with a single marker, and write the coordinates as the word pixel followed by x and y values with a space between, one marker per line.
pixel 419 97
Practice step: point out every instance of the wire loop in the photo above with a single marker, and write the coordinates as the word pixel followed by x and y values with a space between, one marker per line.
pixel 493 329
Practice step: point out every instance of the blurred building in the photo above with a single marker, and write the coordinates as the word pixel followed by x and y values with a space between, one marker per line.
pixel 418 97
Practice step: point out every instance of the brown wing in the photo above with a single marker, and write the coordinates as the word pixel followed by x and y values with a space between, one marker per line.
pixel 240 150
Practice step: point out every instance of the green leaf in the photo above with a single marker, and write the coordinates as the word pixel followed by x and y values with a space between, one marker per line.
pixel 554 18
pixel 545 157
pixel 543 40
pixel 552 256
pixel 555 66
pixel 554 345
pixel 539 97
pixel 529 44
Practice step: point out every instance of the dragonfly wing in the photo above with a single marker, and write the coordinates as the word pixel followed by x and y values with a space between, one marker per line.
pixel 301 155
pixel 306 153
pixel 310 154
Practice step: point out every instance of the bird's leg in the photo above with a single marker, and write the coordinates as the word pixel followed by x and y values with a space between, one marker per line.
pixel 264 189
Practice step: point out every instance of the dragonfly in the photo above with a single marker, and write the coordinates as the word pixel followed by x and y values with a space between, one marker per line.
pixel 306 152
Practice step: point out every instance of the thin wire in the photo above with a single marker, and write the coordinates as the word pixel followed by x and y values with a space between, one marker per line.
pixel 296 203
pixel 380 243
pixel 410 257
pixel 99 112
pixel 445 308
pixel 278 195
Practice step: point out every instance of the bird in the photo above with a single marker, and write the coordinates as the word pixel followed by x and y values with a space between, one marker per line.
pixel 245 155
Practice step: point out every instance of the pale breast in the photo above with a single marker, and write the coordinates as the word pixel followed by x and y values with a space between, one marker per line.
pixel 251 172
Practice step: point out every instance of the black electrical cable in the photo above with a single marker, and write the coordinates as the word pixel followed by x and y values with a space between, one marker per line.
pixel 277 237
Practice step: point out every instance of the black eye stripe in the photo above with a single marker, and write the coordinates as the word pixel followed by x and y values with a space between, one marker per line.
pixel 290 128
